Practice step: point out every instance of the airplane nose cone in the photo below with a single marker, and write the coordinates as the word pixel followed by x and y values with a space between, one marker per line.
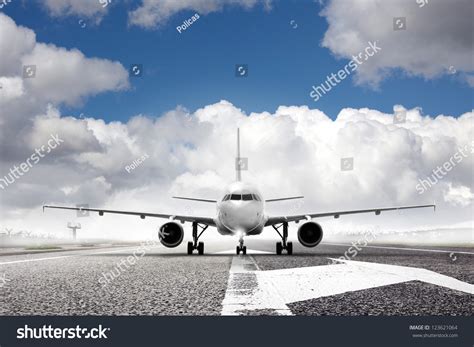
pixel 242 218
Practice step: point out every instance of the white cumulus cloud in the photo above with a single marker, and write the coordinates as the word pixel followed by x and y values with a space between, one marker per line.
pixel 438 37
pixel 61 76
pixel 92 9
pixel 295 150
pixel 152 13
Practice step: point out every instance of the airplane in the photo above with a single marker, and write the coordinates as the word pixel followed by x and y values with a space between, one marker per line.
pixel 240 212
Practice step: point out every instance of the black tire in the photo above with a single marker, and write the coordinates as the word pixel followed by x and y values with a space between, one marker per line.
pixel 279 247
pixel 200 248
pixel 289 248
pixel 190 248
pixel 237 250
pixel 244 250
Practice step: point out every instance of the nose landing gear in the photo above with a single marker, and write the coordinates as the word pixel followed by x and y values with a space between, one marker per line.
pixel 241 247
pixel 283 245
pixel 195 244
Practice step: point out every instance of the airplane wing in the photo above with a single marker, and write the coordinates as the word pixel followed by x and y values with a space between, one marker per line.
pixel 202 220
pixel 297 218
pixel 194 199
pixel 281 199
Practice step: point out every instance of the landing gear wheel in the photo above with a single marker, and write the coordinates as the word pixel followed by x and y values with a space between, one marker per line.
pixel 289 248
pixel 190 247
pixel 195 244
pixel 241 247
pixel 279 248
pixel 284 245
pixel 200 248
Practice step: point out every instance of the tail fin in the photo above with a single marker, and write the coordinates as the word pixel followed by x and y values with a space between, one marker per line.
pixel 238 160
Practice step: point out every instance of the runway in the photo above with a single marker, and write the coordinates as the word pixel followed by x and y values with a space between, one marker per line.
pixel 379 280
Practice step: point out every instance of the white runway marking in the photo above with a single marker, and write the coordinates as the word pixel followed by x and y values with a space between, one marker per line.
pixel 274 289
pixel 327 280
pixel 68 256
pixel 403 249
pixel 37 259
pixel 249 251
pixel 246 292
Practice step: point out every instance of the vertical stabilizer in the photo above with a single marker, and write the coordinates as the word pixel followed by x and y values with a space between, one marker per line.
pixel 238 164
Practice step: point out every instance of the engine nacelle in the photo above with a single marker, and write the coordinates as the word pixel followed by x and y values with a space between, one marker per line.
pixel 171 234
pixel 310 234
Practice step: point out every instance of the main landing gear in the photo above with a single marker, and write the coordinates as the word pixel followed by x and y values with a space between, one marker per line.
pixel 283 245
pixel 195 244
pixel 241 247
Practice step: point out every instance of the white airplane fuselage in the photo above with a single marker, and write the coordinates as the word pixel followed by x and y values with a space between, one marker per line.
pixel 241 211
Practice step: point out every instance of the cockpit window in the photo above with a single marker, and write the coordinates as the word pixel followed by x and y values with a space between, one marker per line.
pixel 247 197
pixel 235 197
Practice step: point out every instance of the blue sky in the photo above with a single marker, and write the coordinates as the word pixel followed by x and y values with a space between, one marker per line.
pixel 196 68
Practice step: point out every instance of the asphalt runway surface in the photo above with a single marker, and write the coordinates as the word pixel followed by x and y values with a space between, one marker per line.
pixel 379 280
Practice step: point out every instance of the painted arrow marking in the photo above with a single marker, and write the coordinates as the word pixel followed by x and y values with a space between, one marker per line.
pixel 250 289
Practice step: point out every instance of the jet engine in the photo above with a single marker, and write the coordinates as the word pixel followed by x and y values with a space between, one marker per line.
pixel 310 234
pixel 171 234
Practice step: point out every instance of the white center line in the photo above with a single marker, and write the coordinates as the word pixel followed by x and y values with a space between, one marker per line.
pixel 72 255
pixel 247 292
